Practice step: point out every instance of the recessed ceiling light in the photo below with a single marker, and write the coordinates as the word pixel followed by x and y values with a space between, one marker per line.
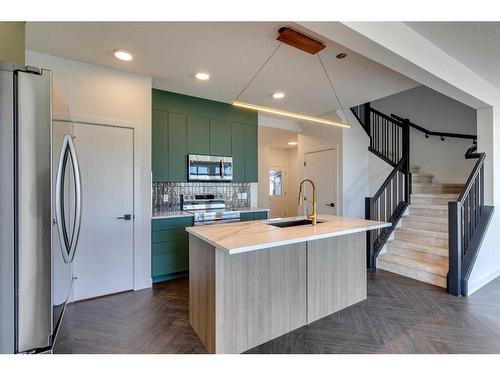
pixel 202 76
pixel 341 55
pixel 292 143
pixel 121 54
pixel 278 95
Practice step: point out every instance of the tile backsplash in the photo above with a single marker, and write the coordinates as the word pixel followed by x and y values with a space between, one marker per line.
pixel 237 195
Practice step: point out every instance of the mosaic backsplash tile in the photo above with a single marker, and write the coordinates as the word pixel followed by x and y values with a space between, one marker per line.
pixel 232 192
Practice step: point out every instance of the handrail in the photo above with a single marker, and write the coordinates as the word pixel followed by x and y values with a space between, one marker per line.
pixel 390 141
pixel 471 152
pixel 468 219
pixel 470 181
pixel 397 168
pixel 438 134
pixel 395 121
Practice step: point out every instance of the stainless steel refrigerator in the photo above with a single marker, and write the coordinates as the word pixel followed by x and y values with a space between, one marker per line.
pixel 40 205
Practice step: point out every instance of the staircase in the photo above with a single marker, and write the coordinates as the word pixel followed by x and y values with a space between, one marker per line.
pixel 419 245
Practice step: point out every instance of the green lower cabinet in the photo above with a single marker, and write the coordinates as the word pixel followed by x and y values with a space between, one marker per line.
pixel 258 215
pixel 169 248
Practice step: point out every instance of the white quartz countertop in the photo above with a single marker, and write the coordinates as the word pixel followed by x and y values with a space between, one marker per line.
pixel 170 214
pixel 179 213
pixel 247 236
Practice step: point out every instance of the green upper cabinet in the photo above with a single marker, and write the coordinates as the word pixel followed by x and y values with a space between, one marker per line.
pixel 220 138
pixel 185 125
pixel 198 135
pixel 238 151
pixel 177 147
pixel 159 146
pixel 251 154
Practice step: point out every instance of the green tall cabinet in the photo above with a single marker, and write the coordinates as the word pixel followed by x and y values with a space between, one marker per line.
pixel 185 125
pixel 238 151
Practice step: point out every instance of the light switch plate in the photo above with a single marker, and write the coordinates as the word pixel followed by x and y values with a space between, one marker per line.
pixel 165 198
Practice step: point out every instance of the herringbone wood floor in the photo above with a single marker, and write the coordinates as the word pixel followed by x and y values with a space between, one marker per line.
pixel 401 315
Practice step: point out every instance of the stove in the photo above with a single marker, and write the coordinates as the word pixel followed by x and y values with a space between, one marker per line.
pixel 208 209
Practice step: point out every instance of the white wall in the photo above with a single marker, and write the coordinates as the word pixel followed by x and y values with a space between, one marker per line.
pixel 434 111
pixel 379 170
pixel 89 93
pixel 317 137
pixel 355 169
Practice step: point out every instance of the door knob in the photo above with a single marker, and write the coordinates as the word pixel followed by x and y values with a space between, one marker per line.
pixel 331 204
pixel 125 217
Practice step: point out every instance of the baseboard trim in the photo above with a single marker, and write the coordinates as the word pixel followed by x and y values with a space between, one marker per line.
pixel 475 285
pixel 143 284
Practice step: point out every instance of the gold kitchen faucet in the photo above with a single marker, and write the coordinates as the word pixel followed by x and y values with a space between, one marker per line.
pixel 300 199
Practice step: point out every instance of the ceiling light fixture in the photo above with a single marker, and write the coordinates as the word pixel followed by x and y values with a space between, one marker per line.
pixel 123 55
pixel 287 114
pixel 202 76
pixel 341 55
pixel 278 95
pixel 292 143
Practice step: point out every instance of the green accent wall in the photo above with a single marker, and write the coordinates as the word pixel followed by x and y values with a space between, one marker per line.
pixel 185 125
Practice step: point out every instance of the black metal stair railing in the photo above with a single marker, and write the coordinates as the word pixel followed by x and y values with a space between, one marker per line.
pixel 468 219
pixel 390 141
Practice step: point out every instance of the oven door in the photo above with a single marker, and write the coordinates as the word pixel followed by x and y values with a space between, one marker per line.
pixel 204 168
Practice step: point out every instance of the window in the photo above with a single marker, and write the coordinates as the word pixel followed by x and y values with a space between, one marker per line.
pixel 275 182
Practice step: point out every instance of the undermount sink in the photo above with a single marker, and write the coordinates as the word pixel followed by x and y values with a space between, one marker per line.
pixel 292 223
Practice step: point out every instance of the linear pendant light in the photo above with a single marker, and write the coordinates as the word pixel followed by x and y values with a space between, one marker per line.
pixel 287 114
pixel 304 43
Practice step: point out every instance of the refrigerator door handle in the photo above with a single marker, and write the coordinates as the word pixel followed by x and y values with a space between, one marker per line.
pixel 68 242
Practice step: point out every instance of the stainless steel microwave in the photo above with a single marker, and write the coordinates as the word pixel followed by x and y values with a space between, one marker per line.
pixel 210 168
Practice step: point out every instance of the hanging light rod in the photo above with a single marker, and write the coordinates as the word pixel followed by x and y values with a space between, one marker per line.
pixel 288 114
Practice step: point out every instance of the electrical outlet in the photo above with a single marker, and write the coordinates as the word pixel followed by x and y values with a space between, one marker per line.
pixel 165 198
pixel 243 196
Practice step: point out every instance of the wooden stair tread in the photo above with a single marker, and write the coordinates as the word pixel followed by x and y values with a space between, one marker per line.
pixel 427 219
pixel 435 184
pixel 436 269
pixel 418 174
pixel 429 206
pixel 423 233
pixel 441 251
pixel 435 195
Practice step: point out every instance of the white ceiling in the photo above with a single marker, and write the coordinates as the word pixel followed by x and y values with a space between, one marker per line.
pixel 278 138
pixel 475 44
pixel 232 52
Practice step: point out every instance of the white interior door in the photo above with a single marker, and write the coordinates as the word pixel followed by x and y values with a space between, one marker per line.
pixel 321 168
pixel 104 258
pixel 277 191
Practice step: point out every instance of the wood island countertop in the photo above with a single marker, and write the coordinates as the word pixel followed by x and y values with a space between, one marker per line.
pixel 247 236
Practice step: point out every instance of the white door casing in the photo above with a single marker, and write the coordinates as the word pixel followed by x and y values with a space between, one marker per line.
pixel 321 168
pixel 104 261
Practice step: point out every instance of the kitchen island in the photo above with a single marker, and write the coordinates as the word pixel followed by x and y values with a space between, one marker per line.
pixel 250 282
